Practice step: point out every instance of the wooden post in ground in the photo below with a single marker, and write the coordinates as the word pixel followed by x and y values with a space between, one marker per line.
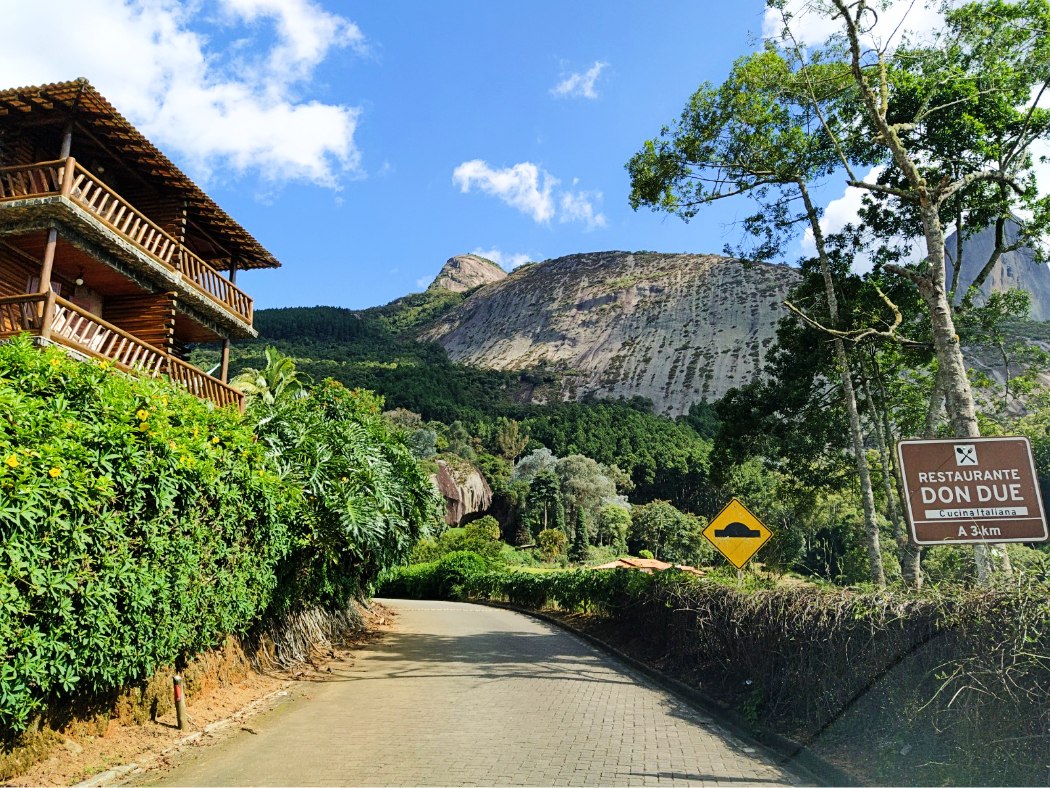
pixel 180 702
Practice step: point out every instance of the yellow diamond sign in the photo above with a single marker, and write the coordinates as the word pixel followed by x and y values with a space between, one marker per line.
pixel 737 534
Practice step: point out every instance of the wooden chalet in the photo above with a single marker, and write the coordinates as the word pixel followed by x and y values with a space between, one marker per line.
pixel 107 248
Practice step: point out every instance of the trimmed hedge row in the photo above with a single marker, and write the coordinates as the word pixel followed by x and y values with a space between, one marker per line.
pixel 950 687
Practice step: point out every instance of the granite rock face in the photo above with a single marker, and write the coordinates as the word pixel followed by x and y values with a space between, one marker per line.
pixel 465 272
pixel 1016 270
pixel 675 328
pixel 464 489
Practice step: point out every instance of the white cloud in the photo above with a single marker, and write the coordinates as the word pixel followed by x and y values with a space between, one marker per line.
pixel 812 23
pixel 580 85
pixel 532 191
pixel 523 186
pixel 504 260
pixel 842 211
pixel 579 207
pixel 209 108
pixel 423 282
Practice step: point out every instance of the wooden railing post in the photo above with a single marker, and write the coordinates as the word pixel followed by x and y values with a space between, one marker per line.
pixel 48 317
pixel 67 176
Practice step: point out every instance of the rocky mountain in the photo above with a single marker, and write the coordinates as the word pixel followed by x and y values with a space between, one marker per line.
pixel 465 272
pixel 1016 270
pixel 675 328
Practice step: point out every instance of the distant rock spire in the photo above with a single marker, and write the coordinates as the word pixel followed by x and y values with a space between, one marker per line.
pixel 465 272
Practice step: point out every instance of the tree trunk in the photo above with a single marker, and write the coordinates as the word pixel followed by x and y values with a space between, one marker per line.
pixel 931 286
pixel 867 495
pixel 909 557
pixel 958 396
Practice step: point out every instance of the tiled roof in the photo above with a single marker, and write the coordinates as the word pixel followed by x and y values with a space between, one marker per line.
pixel 94 111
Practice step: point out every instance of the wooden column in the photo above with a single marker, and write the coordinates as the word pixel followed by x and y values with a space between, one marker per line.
pixel 47 309
pixel 224 373
pixel 49 260
pixel 67 140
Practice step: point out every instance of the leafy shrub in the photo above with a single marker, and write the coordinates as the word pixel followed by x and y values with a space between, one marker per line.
pixel 140 525
pixel 455 571
pixel 480 536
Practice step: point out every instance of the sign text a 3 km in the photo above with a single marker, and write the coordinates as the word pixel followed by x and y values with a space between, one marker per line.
pixel 972 491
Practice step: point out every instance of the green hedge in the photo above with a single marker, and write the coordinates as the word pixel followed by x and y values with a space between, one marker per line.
pixel 140 525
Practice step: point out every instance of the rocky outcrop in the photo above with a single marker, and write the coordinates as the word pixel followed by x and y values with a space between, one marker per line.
pixel 675 328
pixel 1016 270
pixel 465 272
pixel 464 489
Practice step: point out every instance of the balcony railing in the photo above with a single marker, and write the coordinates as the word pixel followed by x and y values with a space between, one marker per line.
pixel 69 179
pixel 49 316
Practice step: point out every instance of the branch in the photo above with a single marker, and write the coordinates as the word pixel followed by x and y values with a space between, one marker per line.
pixel 858 335
pixel 912 276
pixel 903 194
pixel 985 175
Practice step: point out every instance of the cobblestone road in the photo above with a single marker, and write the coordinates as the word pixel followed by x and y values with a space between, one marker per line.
pixel 467 695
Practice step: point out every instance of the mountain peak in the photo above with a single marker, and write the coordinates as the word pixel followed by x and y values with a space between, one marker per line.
pixel 465 272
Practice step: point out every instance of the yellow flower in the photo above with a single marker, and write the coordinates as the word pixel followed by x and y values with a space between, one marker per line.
pixel 12 461
pixel 171 444
pixel 215 439
pixel 142 414
pixel 55 362
pixel 143 426
pixel 104 365
pixel 196 431
pixel 54 473
pixel 261 473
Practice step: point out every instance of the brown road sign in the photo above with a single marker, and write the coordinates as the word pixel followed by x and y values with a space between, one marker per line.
pixel 972 491
pixel 737 534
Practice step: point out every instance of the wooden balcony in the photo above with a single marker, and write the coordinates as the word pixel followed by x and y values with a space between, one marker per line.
pixel 68 179
pixel 63 322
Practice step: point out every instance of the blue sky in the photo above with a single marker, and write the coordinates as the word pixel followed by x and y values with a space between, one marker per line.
pixel 448 83
pixel 366 143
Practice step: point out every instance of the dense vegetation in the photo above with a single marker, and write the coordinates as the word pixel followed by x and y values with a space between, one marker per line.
pixel 140 525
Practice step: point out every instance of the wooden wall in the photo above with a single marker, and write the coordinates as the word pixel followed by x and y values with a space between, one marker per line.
pixel 151 318
pixel 15 273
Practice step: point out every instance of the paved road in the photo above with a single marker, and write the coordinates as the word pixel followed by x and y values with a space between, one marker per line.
pixel 467 695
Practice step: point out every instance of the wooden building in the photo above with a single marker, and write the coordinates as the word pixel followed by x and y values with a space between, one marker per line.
pixel 107 248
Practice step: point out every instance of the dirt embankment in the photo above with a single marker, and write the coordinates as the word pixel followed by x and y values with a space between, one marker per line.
pixel 223 687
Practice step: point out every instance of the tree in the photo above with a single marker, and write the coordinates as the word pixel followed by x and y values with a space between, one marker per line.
pixel 671 535
pixel 580 540
pixel 759 134
pixel 585 485
pixel 614 523
pixel 510 439
pixel 543 506
pixel 954 123
pixel 551 543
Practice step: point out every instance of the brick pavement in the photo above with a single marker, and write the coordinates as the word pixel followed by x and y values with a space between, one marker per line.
pixel 468 695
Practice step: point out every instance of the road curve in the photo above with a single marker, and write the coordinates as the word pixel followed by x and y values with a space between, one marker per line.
pixel 461 694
